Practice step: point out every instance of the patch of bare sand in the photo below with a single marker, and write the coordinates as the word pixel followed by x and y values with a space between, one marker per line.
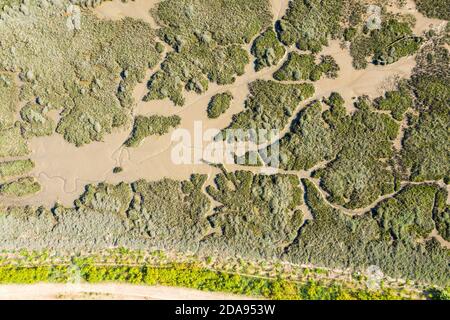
pixel 353 83
pixel 137 9
pixel 435 234
pixel 279 8
pixel 110 291
pixel 422 23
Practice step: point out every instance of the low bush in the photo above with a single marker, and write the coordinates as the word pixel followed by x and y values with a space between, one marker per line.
pixel 270 105
pixel 94 95
pixel 303 67
pixel 15 168
pixel 207 39
pixel 219 104
pixel 267 50
pixel 19 188
pixel 148 126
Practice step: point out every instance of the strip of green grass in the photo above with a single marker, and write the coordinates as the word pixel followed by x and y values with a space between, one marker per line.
pixel 15 168
pixel 192 276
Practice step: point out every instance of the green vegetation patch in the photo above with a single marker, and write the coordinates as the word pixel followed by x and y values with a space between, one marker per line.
pixel 441 214
pixel 337 240
pixel 396 102
pixel 19 188
pixel 409 214
pixel 270 105
pixel 267 50
pixel 148 126
pixel 332 238
pixel 8 101
pixel 439 9
pixel 106 198
pixel 258 215
pixel 12 143
pixel 219 104
pixel 8 5
pixel 394 40
pixel 355 147
pixel 36 122
pixel 195 277
pixel 172 215
pixel 308 142
pixel 309 23
pixel 15 168
pixel 359 174
pixel 101 63
pixel 62 229
pixel 425 153
pixel 207 37
pixel 303 67
pixel 371 29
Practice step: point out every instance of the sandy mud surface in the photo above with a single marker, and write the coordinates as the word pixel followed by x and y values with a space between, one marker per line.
pixel 107 291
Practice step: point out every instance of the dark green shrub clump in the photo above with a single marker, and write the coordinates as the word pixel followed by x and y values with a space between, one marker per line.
pixel 308 142
pixel 356 146
pixel 15 168
pixel 117 170
pixel 303 67
pixel 267 50
pixel 397 102
pixel 94 93
pixel 19 188
pixel 393 41
pixel 270 105
pixel 309 24
pixel 434 8
pixel 409 214
pixel 441 214
pixel 425 154
pixel 256 212
pixel 207 38
pixel 153 125
pixel 359 175
pixel 219 104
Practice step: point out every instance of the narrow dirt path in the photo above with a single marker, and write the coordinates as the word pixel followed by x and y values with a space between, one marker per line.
pixel 49 291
